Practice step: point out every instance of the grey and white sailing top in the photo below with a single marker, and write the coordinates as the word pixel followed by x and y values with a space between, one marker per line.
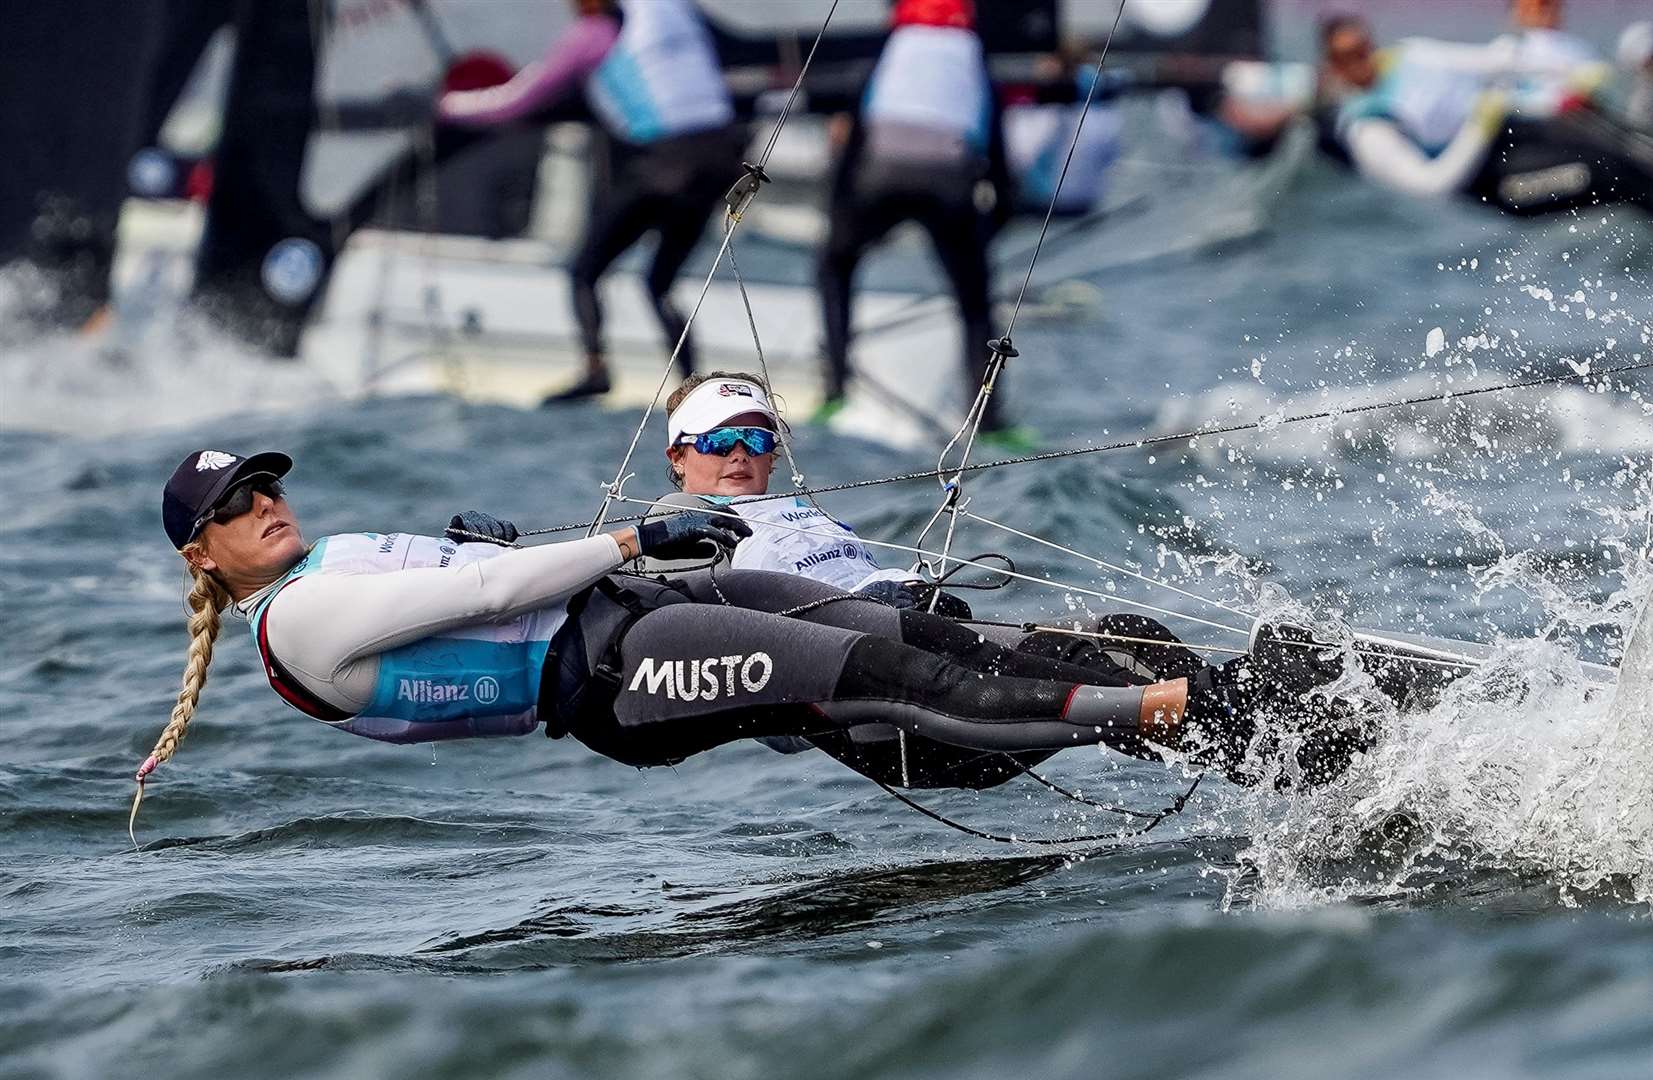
pixel 929 99
pixel 789 536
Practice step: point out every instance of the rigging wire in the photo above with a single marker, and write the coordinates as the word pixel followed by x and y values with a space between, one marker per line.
pixel 1153 820
pixel 1051 583
pixel 1073 145
pixel 920 307
pixel 783 432
pixel 739 198
pixel 952 503
pixel 1458 663
pixel 1002 349
pixel 1106 635
pixel 1074 796
pixel 1105 565
pixel 1264 424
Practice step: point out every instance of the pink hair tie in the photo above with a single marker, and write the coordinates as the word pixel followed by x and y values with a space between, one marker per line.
pixel 146 768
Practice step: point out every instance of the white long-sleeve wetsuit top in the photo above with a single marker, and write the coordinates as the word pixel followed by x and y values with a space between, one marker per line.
pixel 360 596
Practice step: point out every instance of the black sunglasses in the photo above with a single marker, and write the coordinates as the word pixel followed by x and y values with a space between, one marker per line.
pixel 240 500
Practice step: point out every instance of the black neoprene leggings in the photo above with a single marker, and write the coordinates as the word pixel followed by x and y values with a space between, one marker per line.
pixel 869 205
pixel 671 188
pixel 696 675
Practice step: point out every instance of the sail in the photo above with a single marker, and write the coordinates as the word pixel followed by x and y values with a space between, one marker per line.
pixel 264 259
pixel 73 75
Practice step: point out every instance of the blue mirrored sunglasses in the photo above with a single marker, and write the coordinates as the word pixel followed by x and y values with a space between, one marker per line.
pixel 721 441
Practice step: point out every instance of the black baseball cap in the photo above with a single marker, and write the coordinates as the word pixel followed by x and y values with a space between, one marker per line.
pixel 201 481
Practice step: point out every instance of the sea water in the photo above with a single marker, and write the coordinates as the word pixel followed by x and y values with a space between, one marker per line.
pixel 1472 899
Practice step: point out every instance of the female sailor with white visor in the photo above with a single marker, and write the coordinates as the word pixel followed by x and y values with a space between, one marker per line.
pixel 723 430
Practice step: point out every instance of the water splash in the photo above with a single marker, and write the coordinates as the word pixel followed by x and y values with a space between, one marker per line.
pixel 1529 766
pixel 160 365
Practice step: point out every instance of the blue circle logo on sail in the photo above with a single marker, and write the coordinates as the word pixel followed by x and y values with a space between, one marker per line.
pixel 292 270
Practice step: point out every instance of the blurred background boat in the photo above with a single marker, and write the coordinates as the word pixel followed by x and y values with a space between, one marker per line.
pixel 286 180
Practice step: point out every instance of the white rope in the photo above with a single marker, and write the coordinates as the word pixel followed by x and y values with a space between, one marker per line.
pixel 1016 574
pixel 1105 565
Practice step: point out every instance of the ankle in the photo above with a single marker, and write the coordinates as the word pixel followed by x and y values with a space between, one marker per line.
pixel 1163 706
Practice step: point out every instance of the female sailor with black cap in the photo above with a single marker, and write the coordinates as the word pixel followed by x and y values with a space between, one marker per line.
pixel 408 638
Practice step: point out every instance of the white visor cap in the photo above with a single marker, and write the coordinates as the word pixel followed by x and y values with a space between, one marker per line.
pixel 711 404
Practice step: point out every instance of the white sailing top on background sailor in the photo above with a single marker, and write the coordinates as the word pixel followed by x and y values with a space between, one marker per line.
pixel 649 75
pixel 929 95
pixel 662 77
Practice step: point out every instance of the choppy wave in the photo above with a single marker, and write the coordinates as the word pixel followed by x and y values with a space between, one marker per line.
pixel 1614 416
pixel 1526 766
pixel 1379 994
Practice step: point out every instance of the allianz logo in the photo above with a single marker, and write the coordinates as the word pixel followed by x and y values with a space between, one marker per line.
pixel 816 558
pixel 437 692
pixel 696 680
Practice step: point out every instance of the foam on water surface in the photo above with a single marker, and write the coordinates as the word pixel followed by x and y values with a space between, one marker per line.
pixel 1527 766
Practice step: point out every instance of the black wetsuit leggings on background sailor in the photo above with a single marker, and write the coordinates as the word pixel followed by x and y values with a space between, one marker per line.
pixel 685 671
pixel 671 187
pixel 870 200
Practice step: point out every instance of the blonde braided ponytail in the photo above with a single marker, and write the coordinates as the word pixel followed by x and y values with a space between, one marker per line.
pixel 206 600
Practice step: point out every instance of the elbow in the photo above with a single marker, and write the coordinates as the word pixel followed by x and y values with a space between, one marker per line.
pixel 496 604
pixel 495 597
pixel 504 588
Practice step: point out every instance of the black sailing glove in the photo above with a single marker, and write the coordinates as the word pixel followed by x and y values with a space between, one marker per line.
pixel 1292 661
pixel 488 529
pixel 684 536
pixel 947 605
